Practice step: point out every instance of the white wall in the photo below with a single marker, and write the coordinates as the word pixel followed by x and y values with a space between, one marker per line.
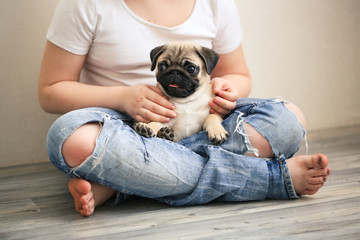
pixel 23 124
pixel 308 52
pixel 303 50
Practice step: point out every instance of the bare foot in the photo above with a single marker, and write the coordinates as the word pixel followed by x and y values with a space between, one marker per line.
pixel 88 195
pixel 308 172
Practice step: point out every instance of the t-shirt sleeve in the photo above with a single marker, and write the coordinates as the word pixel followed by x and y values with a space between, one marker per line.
pixel 73 25
pixel 229 33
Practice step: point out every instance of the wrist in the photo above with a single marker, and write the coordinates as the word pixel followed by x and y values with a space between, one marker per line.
pixel 119 96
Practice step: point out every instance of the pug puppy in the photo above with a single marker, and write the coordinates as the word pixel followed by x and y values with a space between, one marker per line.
pixel 183 73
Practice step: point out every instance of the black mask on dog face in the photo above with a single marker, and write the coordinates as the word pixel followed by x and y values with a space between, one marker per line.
pixel 178 81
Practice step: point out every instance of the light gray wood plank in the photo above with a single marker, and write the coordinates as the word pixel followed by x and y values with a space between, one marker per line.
pixel 18 207
pixel 35 204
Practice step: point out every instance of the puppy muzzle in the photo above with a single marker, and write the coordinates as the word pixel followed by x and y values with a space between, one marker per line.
pixel 178 84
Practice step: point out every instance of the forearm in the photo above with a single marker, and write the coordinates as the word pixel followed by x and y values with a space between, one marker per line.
pixel 65 96
pixel 60 91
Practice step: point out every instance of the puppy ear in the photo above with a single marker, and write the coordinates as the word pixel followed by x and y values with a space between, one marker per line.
pixel 154 55
pixel 209 57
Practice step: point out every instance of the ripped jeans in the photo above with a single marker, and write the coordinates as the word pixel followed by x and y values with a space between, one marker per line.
pixel 192 171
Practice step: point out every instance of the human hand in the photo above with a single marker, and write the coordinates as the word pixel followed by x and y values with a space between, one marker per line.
pixel 225 96
pixel 147 103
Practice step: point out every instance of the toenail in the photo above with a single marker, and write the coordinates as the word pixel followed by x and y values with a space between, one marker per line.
pixel 324 179
pixel 328 171
pixel 320 160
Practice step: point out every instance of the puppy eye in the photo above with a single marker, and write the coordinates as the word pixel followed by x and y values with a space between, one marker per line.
pixel 162 67
pixel 192 70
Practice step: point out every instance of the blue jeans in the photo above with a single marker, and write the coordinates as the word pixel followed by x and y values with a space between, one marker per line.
pixel 192 171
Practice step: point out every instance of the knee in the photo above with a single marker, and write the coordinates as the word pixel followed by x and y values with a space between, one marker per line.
pixel 80 145
pixel 293 108
pixel 258 142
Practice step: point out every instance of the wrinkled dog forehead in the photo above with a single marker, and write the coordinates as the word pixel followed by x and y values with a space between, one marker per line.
pixel 180 54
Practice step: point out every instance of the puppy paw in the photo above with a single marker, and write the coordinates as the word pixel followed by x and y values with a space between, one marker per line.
pixel 166 133
pixel 143 129
pixel 217 135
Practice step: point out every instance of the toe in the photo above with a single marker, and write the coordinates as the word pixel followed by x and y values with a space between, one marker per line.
pixel 317 172
pixel 85 212
pixel 317 180
pixel 314 187
pixel 320 160
pixel 82 186
pixel 85 199
pixel 88 209
pixel 316 161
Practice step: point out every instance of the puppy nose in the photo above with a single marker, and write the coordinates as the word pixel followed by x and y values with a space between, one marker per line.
pixel 175 73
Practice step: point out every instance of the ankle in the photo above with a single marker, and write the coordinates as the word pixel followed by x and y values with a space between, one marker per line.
pixel 101 193
pixel 280 183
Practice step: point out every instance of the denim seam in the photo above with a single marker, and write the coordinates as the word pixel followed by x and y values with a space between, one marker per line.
pixel 146 154
pixel 107 115
pixel 287 178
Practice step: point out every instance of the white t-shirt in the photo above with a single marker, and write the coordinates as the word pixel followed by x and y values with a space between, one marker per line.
pixel 117 42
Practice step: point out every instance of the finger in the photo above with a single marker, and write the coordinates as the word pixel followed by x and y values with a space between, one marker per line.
pixel 147 110
pixel 216 90
pixel 216 84
pixel 157 96
pixel 139 118
pixel 157 90
pixel 224 103
pixel 215 108
pixel 159 106
pixel 146 116
pixel 230 96
pixel 159 110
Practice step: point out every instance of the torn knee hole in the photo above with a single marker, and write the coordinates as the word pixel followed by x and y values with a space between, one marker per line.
pixel 80 144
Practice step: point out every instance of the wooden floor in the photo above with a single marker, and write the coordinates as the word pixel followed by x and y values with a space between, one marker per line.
pixel 35 204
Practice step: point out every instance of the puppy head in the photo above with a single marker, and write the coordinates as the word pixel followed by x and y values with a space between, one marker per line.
pixel 181 68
